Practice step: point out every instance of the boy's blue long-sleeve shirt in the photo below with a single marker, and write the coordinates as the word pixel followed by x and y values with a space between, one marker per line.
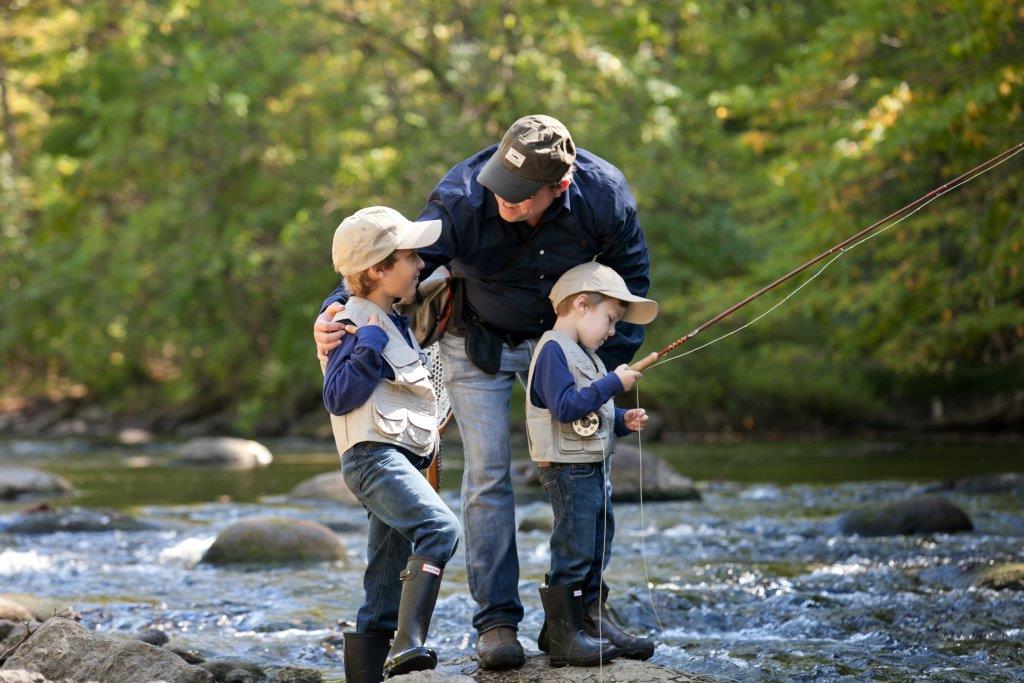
pixel 554 389
pixel 356 367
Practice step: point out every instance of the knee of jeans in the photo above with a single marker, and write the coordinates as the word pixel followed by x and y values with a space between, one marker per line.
pixel 449 531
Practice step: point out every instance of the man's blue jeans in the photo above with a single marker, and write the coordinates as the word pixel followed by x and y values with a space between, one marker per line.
pixel 407 517
pixel 481 405
pixel 581 537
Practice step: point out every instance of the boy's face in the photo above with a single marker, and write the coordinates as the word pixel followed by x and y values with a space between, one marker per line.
pixel 597 324
pixel 400 280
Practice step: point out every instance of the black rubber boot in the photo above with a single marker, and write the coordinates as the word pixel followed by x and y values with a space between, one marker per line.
pixel 364 656
pixel 542 639
pixel 421 581
pixel 597 620
pixel 569 644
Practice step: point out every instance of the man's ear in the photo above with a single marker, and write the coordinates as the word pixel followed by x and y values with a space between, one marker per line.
pixel 563 185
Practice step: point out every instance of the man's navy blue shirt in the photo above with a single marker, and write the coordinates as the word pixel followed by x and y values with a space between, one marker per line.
pixel 510 268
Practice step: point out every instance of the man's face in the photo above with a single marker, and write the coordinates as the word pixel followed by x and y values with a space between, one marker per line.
pixel 532 208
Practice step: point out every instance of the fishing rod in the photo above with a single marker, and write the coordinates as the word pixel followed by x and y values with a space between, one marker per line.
pixel 645 362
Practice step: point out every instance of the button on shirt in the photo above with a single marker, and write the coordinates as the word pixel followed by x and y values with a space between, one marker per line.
pixel 510 268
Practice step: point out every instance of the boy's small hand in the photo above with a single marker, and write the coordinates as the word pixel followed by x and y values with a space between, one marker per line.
pixel 375 320
pixel 636 419
pixel 627 376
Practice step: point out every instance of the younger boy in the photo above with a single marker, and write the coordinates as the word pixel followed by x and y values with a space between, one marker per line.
pixel 384 415
pixel 572 423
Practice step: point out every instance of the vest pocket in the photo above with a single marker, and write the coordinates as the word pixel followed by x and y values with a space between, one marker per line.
pixel 391 421
pixel 421 428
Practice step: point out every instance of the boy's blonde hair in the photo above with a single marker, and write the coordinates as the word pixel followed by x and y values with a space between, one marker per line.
pixel 362 283
pixel 593 299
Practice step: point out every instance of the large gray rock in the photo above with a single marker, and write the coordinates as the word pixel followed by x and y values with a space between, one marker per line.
pixel 274 541
pixel 1007 576
pixel 326 486
pixel 237 454
pixel 48 521
pixel 917 515
pixel 537 670
pixel 660 481
pixel 60 648
pixel 19 483
pixel 23 676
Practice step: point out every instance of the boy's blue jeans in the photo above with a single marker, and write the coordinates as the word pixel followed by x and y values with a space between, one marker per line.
pixel 407 517
pixel 581 538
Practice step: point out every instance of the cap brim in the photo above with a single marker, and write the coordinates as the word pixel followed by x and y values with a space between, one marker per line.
pixel 419 234
pixel 507 185
pixel 639 310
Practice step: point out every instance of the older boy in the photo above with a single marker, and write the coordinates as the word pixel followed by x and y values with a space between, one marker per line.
pixel 384 415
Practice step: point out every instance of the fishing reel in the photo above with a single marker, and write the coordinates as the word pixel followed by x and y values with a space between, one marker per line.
pixel 587 425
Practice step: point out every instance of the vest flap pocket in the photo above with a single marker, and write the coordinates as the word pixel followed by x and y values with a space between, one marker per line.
pixel 588 372
pixel 421 427
pixel 390 420
pixel 400 354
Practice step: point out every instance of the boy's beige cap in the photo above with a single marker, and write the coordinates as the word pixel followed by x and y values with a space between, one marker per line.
pixel 593 277
pixel 370 235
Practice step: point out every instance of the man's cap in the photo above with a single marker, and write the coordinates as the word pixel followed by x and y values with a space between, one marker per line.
pixel 594 277
pixel 536 151
pixel 370 235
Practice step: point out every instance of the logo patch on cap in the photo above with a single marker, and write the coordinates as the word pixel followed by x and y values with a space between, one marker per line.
pixel 515 158
pixel 436 571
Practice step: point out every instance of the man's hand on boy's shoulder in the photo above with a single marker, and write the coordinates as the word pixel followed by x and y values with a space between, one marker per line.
pixel 327 333
pixel 636 419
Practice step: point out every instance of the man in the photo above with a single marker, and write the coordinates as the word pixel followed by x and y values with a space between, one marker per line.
pixel 515 217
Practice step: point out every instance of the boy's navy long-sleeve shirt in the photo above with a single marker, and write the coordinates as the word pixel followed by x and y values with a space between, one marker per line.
pixel 510 268
pixel 554 389
pixel 356 367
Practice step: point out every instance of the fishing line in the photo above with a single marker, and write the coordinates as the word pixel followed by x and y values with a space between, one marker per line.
pixel 968 177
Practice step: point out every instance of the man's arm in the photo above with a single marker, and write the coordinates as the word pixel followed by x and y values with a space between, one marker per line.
pixel 441 252
pixel 624 249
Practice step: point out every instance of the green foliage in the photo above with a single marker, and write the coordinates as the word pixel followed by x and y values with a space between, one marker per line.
pixel 172 172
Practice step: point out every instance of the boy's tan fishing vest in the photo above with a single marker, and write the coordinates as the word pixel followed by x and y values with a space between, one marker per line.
pixel 555 441
pixel 402 411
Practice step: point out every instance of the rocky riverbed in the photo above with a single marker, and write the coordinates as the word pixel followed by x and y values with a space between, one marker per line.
pixel 752 581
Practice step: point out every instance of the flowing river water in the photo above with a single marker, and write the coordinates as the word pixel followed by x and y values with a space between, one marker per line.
pixel 753 583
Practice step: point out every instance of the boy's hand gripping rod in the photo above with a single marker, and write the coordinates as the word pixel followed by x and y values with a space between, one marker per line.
pixel 645 362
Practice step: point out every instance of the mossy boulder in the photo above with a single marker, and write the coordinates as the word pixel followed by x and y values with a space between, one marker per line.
pixel 918 515
pixel 274 541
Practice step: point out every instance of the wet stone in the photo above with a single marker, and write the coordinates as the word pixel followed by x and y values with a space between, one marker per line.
pixel 326 486
pixel 76 519
pixel 1007 576
pixel 230 453
pixel 919 515
pixel 274 541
